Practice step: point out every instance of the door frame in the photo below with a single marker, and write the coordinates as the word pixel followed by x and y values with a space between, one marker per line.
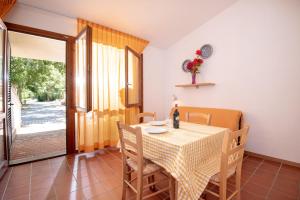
pixel 70 81
pixel 4 166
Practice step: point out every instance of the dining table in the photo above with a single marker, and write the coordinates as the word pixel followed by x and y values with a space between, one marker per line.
pixel 191 154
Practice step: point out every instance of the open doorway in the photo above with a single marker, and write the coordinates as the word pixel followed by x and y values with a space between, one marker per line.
pixel 36 97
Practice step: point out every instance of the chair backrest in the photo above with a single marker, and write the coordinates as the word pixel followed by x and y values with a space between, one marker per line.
pixel 233 150
pixel 131 140
pixel 198 118
pixel 145 114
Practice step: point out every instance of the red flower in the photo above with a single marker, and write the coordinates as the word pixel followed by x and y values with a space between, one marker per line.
pixel 194 65
pixel 195 61
pixel 199 52
pixel 190 66
pixel 200 61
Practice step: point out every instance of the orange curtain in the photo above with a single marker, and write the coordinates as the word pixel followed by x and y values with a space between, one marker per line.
pixel 5 6
pixel 97 129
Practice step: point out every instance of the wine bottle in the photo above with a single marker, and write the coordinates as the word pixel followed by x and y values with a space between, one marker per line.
pixel 176 118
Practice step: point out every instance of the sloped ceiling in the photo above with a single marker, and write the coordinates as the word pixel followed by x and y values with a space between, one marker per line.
pixel 162 22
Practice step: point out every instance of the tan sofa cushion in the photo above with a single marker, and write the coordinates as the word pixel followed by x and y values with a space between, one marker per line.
pixel 219 117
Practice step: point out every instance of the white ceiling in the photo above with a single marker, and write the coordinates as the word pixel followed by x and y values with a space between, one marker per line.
pixel 35 47
pixel 162 22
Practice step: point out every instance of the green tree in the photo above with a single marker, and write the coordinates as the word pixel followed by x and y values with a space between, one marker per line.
pixel 18 74
pixel 45 79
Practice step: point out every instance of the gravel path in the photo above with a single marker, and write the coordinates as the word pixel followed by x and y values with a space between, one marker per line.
pixel 43 112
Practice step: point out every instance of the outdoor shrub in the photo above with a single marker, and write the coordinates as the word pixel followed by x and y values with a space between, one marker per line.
pixel 41 79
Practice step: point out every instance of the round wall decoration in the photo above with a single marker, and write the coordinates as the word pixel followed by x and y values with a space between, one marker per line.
pixel 206 50
pixel 184 65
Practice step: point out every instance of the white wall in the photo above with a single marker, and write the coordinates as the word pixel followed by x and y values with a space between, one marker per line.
pixel 256 69
pixel 154 79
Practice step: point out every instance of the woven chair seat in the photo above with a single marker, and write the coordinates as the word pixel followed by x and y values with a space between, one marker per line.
pixel 149 167
pixel 216 177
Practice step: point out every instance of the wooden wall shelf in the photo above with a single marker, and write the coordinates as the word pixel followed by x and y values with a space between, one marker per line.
pixel 194 85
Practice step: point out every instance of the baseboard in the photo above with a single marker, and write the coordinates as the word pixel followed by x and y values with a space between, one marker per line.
pixel 295 164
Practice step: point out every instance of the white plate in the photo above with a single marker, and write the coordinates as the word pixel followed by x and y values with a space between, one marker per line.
pixel 158 123
pixel 155 130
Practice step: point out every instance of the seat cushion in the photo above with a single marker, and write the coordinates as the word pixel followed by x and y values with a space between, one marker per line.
pixel 216 177
pixel 149 167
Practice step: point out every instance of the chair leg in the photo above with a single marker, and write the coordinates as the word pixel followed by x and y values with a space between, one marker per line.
pixel 139 195
pixel 126 176
pixel 238 183
pixel 124 190
pixel 223 188
pixel 129 174
pixel 151 179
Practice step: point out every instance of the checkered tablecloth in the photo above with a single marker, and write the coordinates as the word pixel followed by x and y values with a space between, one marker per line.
pixel 191 154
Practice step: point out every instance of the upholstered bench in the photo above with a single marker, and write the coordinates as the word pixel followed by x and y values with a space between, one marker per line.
pixel 226 118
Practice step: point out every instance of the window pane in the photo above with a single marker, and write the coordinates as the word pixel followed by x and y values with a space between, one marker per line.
pixel 81 72
pixel 133 78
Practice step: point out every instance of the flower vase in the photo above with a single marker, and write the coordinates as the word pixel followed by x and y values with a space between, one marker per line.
pixel 193 78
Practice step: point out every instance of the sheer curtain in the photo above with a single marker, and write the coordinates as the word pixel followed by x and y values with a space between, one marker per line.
pixel 97 129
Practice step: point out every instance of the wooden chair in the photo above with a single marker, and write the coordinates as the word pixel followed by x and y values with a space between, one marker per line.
pixel 199 118
pixel 231 164
pixel 133 161
pixel 145 114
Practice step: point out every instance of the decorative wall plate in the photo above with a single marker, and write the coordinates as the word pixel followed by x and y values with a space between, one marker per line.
pixel 184 65
pixel 206 50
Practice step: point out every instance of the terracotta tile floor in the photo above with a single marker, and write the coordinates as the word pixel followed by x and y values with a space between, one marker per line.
pixel 29 147
pixel 98 176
